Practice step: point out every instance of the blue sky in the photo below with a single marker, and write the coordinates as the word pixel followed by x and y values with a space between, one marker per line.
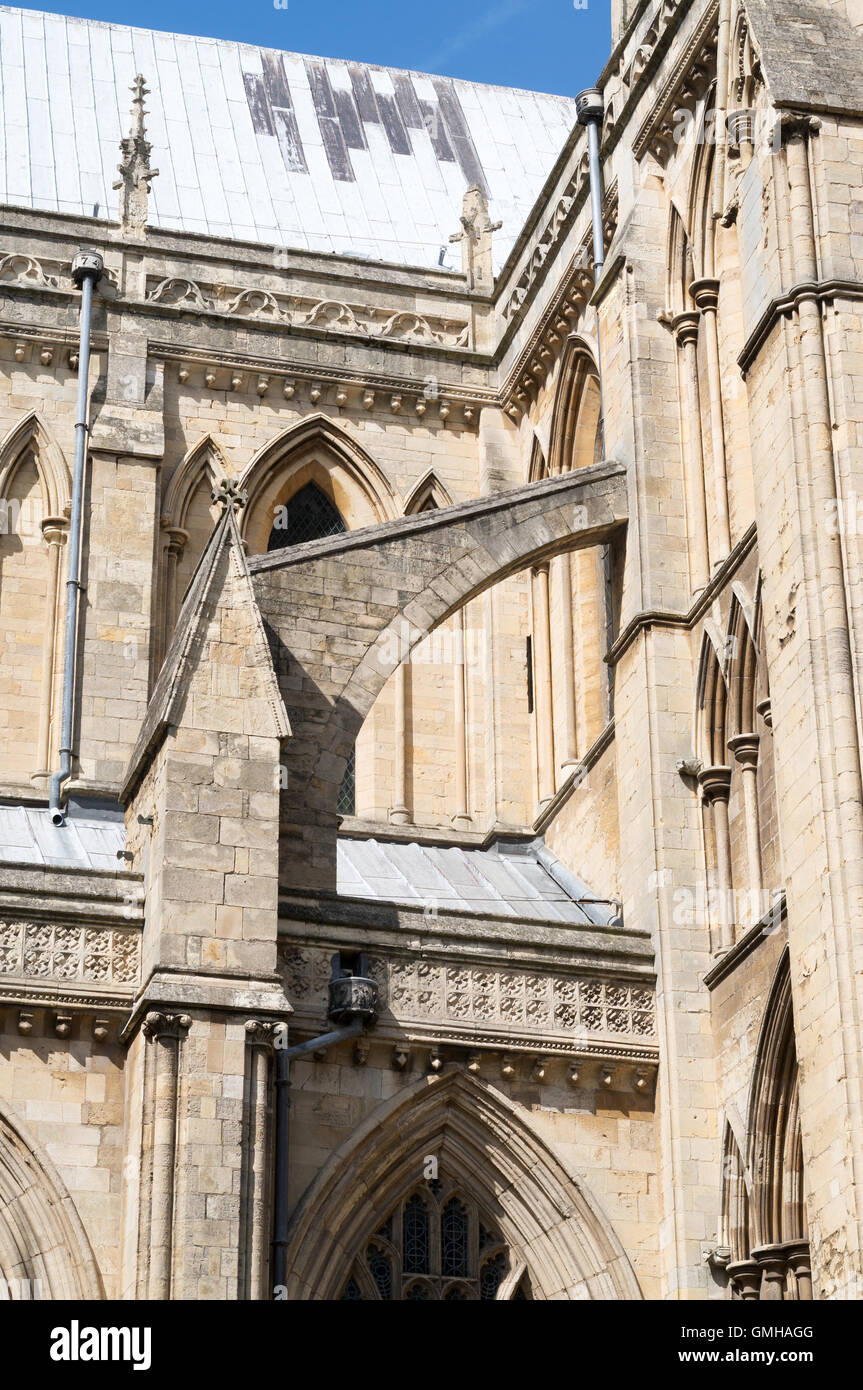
pixel 547 45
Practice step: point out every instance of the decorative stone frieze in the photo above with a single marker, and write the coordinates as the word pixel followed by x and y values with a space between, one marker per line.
pixel 452 993
pixel 41 951
pixel 295 312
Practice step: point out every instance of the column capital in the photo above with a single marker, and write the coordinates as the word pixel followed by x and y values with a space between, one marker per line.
pixel 765 709
pixel 685 327
pixel 745 1277
pixel 705 294
pixel 177 537
pixel 260 1032
pixel 773 1260
pixel 745 749
pixel 161 1025
pixel 797 1254
pixel 715 782
pixel 794 127
pixel 54 529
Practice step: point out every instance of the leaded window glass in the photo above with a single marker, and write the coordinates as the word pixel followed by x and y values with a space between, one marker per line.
pixel 347 799
pixel 415 1237
pixel 436 1245
pixel 308 516
pixel 454 1239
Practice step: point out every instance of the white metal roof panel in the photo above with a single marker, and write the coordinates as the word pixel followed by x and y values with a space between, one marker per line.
pixel 256 144
pixel 492 882
pixel 28 836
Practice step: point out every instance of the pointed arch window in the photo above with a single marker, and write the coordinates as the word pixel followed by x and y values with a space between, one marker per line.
pixel 435 1246
pixel 309 516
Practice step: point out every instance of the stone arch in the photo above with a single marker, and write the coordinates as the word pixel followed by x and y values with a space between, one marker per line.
pixel 576 416
pixel 317 450
pixel 205 462
pixel 742 667
pixel 538 467
pixel 546 1214
pixel 583 590
pixel 187 521
pixel 711 688
pixel 34 498
pixel 771 1259
pixel 30 438
pixel 421 570
pixel 734 1213
pixel 679 267
pixel 774 1155
pixel 477 565
pixel 42 1237
pixel 426 495
pixel 701 225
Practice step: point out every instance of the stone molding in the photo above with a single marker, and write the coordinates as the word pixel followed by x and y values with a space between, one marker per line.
pixel 574 1010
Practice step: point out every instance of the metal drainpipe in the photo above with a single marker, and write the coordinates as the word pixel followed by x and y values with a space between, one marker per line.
pixel 284 1057
pixel 86 272
pixel 591 109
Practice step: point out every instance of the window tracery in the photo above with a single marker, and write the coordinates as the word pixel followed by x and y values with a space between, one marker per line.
pixel 435 1246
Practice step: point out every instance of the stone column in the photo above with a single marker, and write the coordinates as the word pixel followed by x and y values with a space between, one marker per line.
pixel 177 539
pixel 399 813
pixel 461 817
pixel 716 787
pixel 164 1031
pixel 745 750
pixel 705 293
pixel 54 531
pixel 685 328
pixel 800 1267
pixel 542 704
pixel 569 735
pixel 491 742
pixel 255 1242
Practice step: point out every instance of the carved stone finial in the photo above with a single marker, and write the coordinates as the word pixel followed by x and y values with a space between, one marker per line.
pixel 229 494
pixel 475 238
pixel 135 171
